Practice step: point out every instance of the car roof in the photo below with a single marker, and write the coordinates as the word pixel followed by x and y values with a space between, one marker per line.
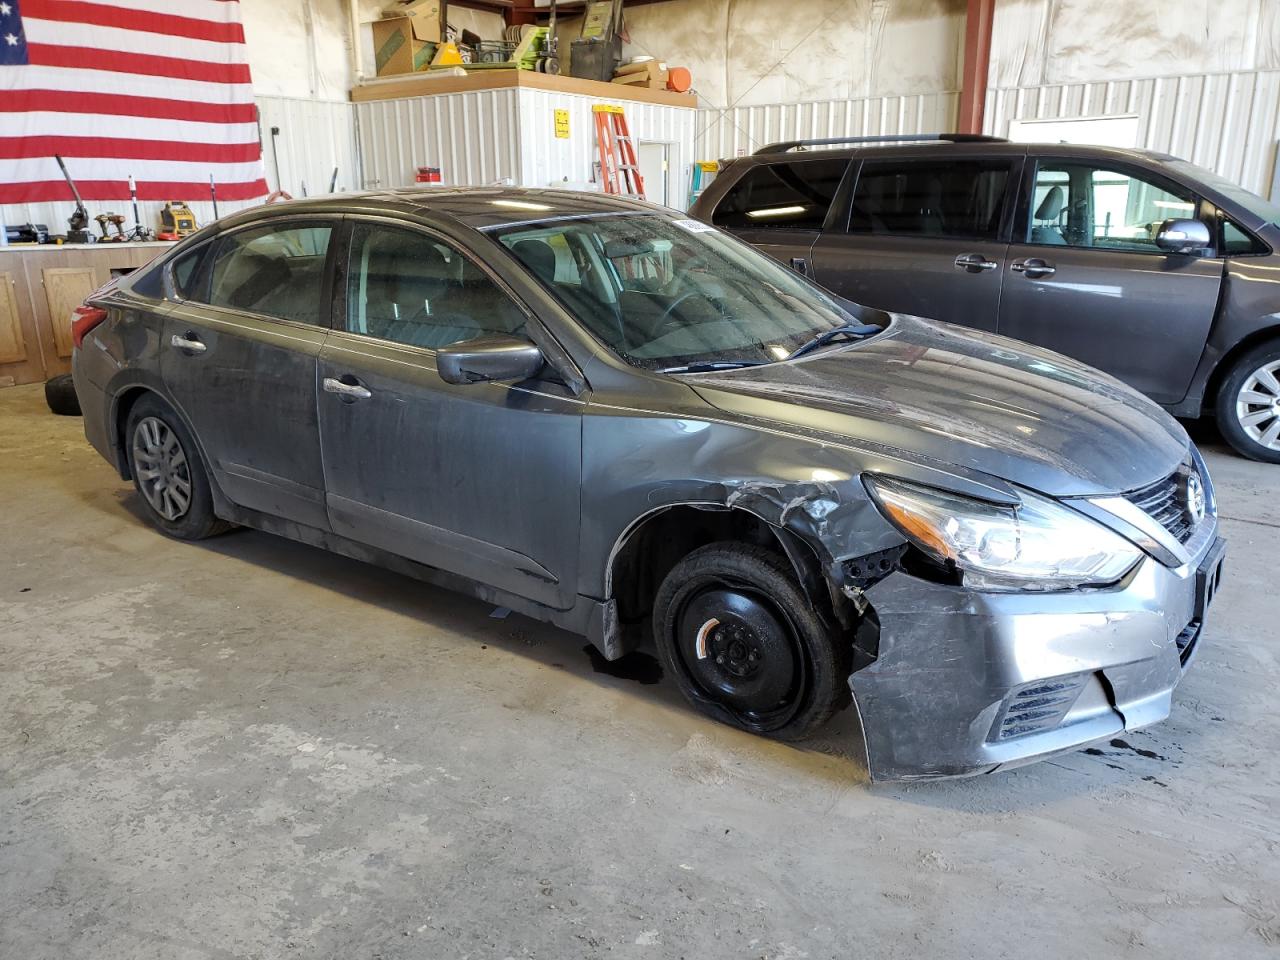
pixel 985 148
pixel 476 207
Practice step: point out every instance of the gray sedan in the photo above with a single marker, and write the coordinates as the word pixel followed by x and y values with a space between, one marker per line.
pixel 627 423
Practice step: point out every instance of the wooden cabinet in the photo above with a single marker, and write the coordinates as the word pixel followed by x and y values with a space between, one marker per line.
pixel 39 288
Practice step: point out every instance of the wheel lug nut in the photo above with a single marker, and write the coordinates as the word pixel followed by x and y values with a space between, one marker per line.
pixel 720 659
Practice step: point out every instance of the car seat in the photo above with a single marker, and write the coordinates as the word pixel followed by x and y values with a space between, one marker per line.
pixel 1046 229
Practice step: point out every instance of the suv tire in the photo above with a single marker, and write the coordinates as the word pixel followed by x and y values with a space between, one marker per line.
pixel 1248 404
pixel 745 645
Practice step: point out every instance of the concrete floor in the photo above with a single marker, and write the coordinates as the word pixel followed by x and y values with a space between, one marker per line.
pixel 249 748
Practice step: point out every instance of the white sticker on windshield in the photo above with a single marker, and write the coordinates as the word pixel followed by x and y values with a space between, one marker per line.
pixel 694 226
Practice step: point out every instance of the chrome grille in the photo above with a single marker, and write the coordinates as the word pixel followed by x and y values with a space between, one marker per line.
pixel 1165 502
pixel 1039 706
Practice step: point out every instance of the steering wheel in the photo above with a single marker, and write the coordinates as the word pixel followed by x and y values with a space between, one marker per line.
pixel 665 320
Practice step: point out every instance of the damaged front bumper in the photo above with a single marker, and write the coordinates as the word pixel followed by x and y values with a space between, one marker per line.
pixel 965 682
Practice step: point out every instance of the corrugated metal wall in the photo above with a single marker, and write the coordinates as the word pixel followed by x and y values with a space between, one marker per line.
pixel 488 136
pixel 548 160
pixel 1227 121
pixel 315 136
pixel 743 130
pixel 472 137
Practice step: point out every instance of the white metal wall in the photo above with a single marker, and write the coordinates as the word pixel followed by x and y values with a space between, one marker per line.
pixel 315 136
pixel 743 130
pixel 548 160
pixel 472 137
pixel 1226 121
pixel 491 136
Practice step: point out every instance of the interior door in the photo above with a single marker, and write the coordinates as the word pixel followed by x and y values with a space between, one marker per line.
pixel 925 237
pixel 1086 278
pixel 781 207
pixel 483 479
pixel 239 355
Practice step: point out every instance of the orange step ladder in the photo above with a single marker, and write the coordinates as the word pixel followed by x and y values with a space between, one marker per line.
pixel 619 168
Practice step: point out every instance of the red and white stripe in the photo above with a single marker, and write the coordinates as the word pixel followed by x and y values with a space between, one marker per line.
pixel 154 89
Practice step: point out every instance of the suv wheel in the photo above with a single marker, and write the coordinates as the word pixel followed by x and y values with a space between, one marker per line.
pixel 744 644
pixel 168 472
pixel 1248 407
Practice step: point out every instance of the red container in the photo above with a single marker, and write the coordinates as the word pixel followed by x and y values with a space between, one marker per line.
pixel 428 175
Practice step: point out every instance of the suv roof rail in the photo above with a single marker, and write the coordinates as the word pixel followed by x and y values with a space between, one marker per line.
pixel 787 145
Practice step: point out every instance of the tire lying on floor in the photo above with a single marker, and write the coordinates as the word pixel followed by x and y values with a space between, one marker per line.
pixel 60 394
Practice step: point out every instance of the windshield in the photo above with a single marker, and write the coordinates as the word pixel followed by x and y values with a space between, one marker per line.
pixel 1264 210
pixel 664 293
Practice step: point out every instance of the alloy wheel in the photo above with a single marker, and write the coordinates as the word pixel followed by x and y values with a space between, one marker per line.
pixel 1258 405
pixel 163 472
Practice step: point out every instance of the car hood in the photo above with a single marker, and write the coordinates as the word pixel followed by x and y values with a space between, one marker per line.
pixel 940 393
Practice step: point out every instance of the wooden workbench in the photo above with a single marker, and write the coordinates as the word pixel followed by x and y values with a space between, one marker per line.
pixel 39 287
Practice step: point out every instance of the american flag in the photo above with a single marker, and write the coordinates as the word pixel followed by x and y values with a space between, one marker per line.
pixel 154 89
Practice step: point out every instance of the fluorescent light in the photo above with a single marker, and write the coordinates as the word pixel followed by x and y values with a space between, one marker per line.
pixel 520 205
pixel 775 212
pixel 1172 205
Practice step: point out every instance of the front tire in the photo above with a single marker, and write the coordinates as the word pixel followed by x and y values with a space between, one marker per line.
pixel 744 644
pixel 1248 404
pixel 168 472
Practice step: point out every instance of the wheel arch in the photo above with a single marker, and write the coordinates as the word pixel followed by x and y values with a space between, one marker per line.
pixel 647 550
pixel 1222 369
pixel 124 399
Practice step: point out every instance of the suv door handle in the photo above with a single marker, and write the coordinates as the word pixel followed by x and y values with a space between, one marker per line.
pixel 188 342
pixel 347 391
pixel 975 262
pixel 1033 268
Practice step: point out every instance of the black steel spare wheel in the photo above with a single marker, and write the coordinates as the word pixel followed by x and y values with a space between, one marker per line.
pixel 741 653
pixel 745 645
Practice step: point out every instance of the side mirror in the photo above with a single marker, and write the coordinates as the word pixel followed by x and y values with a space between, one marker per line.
pixel 488 358
pixel 1183 236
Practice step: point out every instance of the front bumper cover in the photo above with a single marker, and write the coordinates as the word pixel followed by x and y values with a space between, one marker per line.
pixel 953 664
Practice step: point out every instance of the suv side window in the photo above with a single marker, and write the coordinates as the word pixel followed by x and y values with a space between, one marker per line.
pixel 946 198
pixel 412 288
pixel 274 271
pixel 1083 205
pixel 795 195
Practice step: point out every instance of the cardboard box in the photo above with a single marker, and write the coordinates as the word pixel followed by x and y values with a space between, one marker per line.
pixel 406 42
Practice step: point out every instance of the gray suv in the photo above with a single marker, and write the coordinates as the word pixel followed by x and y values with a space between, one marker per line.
pixel 1140 264
pixel 617 419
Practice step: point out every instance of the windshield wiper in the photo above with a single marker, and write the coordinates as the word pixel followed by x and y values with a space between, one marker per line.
pixel 708 366
pixel 855 330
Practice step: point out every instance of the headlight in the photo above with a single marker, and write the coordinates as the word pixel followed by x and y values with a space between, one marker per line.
pixel 1040 545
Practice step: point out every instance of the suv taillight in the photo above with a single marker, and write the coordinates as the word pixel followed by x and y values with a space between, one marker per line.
pixel 83 320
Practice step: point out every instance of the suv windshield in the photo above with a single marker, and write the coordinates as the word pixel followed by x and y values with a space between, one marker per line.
pixel 1264 210
pixel 666 293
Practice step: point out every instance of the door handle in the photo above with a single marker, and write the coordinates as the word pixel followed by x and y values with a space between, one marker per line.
pixel 1033 268
pixel 188 342
pixel 347 391
pixel 975 263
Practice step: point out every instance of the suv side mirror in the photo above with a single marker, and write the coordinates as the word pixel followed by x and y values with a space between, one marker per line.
pixel 1183 236
pixel 488 358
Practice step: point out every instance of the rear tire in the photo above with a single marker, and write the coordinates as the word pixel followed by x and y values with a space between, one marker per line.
pixel 168 472
pixel 1248 404
pixel 745 645
pixel 60 395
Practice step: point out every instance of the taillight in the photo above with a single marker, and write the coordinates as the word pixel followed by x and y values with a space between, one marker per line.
pixel 83 320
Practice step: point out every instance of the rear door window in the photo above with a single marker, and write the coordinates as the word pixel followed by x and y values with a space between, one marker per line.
pixel 795 195
pixel 964 199
pixel 275 271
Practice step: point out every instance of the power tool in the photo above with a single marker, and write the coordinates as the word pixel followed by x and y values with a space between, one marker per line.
pixel 116 221
pixel 176 221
